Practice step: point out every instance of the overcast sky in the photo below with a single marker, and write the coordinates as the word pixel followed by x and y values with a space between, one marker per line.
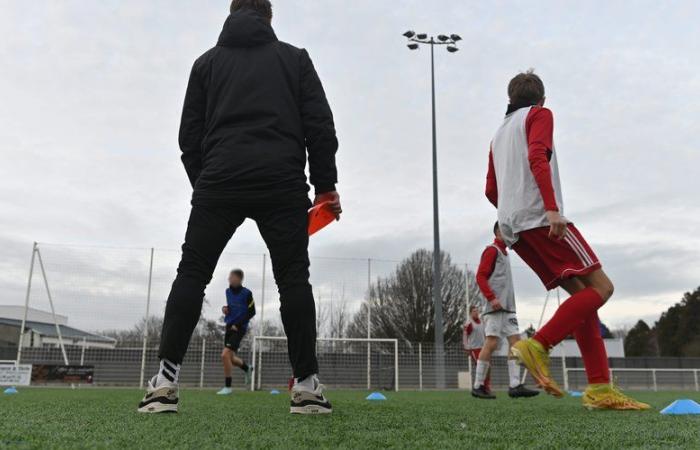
pixel 91 95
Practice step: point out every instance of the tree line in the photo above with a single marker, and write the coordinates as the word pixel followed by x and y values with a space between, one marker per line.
pixel 676 333
pixel 401 306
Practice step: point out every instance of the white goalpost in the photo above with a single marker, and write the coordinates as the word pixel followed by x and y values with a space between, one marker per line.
pixel 343 361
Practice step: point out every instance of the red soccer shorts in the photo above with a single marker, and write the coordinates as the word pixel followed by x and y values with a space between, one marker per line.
pixel 556 259
pixel 474 353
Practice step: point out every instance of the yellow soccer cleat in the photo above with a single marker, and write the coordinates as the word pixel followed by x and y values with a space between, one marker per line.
pixel 606 396
pixel 535 358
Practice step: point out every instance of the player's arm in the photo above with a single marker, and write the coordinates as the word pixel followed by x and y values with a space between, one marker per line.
pixel 486 267
pixel 491 186
pixel 192 126
pixel 251 307
pixel 540 129
pixel 319 135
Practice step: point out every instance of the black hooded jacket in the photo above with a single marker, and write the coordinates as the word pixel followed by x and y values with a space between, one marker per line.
pixel 254 107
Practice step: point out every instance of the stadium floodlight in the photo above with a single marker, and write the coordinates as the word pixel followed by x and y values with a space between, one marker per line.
pixel 450 43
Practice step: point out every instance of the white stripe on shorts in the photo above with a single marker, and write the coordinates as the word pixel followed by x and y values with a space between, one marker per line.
pixel 578 249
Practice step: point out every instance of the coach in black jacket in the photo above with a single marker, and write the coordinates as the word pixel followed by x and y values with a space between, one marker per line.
pixel 254 109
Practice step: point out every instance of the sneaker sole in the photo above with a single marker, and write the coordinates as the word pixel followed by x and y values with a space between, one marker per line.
pixel 543 381
pixel 524 396
pixel 157 408
pixel 309 409
pixel 484 398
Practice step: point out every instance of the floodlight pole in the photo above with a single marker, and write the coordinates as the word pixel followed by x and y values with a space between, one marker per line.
pixel 414 40
pixel 437 282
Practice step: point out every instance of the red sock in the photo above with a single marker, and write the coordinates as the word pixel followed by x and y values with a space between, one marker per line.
pixel 487 382
pixel 595 357
pixel 570 315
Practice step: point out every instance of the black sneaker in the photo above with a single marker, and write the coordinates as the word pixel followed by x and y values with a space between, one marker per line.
pixel 483 393
pixel 520 391
pixel 161 399
pixel 309 402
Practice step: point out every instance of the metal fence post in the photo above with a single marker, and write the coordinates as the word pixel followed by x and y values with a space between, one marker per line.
pixel 396 365
pixel 82 352
pixel 257 363
pixel 369 323
pixel 653 376
pixel 697 382
pixel 145 326
pixel 252 382
pixel 420 366
pixel 201 366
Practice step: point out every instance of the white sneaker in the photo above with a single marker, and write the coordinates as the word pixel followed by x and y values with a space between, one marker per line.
pixel 159 399
pixel 225 391
pixel 308 398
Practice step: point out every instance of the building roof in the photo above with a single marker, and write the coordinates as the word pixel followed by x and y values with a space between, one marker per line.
pixel 49 330
pixel 17 312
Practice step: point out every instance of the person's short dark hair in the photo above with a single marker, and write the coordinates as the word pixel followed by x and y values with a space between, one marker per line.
pixel 526 88
pixel 262 7
pixel 472 308
pixel 238 273
pixel 495 228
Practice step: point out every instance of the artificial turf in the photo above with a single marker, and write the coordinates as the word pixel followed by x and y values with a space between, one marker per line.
pixel 107 418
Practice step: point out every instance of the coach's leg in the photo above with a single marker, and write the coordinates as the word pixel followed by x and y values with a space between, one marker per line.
pixel 208 231
pixel 285 231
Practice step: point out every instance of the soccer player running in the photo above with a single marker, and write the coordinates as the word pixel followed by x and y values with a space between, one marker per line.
pixel 473 340
pixel 254 109
pixel 495 282
pixel 523 183
pixel 239 309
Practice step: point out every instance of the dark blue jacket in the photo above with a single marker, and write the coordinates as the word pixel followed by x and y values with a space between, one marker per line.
pixel 241 307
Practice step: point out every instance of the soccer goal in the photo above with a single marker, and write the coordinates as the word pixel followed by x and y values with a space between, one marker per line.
pixel 349 363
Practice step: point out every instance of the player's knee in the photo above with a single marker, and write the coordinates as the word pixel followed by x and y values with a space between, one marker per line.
pixel 605 289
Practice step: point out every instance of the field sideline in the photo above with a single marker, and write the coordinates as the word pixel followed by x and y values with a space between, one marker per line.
pixel 107 418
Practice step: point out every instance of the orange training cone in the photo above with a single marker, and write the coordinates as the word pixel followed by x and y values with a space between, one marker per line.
pixel 320 216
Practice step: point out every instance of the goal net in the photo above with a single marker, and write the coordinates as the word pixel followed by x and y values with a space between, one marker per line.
pixel 351 363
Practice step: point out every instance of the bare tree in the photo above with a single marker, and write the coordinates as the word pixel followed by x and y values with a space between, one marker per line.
pixel 332 314
pixel 402 304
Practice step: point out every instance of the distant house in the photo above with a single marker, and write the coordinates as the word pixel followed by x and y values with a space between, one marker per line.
pixel 40 330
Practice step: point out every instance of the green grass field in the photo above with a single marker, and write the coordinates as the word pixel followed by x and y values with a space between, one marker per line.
pixel 107 418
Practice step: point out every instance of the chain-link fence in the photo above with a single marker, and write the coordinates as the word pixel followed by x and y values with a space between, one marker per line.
pixel 344 364
pixel 103 302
